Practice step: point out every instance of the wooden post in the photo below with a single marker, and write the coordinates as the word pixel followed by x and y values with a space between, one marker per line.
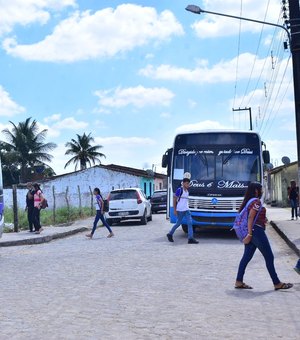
pixel 68 203
pixel 15 209
pixel 54 205
pixel 80 203
pixel 92 206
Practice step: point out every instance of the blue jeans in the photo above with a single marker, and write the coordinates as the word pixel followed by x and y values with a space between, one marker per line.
pixel 260 241
pixel 98 217
pixel 188 217
pixel 298 264
pixel 294 208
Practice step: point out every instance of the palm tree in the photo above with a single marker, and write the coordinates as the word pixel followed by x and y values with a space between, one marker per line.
pixel 25 145
pixel 84 153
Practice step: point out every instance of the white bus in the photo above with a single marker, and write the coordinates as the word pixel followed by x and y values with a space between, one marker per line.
pixel 1 203
pixel 221 165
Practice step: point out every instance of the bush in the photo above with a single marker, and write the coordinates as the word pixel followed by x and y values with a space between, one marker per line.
pixel 62 215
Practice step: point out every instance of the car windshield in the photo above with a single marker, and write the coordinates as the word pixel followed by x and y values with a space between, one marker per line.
pixel 159 194
pixel 122 194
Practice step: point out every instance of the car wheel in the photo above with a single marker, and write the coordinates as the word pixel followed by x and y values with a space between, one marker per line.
pixel 144 218
pixel 109 221
pixel 150 217
pixel 185 228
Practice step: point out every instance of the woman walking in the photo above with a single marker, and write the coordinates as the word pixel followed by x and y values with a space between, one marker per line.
pixel 99 214
pixel 293 197
pixel 37 199
pixel 257 238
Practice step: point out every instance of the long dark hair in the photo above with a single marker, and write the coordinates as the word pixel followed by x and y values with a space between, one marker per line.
pixel 37 187
pixel 97 190
pixel 251 193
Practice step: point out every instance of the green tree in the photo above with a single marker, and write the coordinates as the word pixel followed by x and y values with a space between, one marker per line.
pixel 84 153
pixel 25 147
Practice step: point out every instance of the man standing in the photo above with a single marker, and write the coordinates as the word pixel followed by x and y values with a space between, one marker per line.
pixel 181 210
pixel 30 206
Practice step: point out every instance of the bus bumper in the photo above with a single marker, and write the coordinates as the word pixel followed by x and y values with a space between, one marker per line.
pixel 208 219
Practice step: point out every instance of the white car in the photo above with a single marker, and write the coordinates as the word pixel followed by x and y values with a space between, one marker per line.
pixel 128 204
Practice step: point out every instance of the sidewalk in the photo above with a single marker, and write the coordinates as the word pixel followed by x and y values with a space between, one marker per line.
pixel 48 234
pixel 280 219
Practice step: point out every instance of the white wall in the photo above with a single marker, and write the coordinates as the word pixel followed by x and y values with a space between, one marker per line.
pixel 104 179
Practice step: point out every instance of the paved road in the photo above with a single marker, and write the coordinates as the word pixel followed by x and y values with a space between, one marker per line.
pixel 139 286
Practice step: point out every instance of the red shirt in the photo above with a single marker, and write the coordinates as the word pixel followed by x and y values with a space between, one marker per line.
pixel 261 219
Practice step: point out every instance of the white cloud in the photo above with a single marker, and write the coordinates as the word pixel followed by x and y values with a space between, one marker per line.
pixel 53 118
pixel 8 107
pixel 70 124
pixel 279 148
pixel 166 115
pixel 104 33
pixel 208 25
pixel 138 96
pixel 192 104
pixel 58 126
pixel 22 12
pixel 204 125
pixel 224 71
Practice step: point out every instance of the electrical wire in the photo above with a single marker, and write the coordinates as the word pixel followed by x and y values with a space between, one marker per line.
pixel 237 62
pixel 256 54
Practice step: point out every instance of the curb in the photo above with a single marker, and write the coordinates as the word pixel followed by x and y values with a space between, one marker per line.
pixel 42 239
pixel 291 244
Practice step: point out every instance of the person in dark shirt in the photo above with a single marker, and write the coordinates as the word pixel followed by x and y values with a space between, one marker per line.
pixel 29 206
pixel 257 238
pixel 293 197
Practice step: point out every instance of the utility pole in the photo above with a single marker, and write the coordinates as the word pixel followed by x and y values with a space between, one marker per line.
pixel 250 114
pixel 294 24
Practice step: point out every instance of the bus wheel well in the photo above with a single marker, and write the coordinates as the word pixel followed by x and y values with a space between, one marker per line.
pixel 185 228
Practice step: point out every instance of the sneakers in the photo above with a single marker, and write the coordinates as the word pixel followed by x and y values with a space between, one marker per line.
pixel 192 241
pixel 170 237
pixel 110 235
pixel 297 270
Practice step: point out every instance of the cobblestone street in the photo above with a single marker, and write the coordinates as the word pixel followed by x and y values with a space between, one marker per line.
pixel 137 285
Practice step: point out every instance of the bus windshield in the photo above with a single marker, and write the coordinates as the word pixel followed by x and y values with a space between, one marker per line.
pixel 217 161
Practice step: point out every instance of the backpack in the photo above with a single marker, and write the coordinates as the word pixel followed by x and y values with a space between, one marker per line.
pixel 180 193
pixel 44 204
pixel 105 204
pixel 240 224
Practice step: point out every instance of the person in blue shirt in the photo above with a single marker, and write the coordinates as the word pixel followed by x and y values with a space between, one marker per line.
pixel 99 203
pixel 181 210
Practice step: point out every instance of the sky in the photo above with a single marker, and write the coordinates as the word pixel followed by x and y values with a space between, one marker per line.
pixel 134 74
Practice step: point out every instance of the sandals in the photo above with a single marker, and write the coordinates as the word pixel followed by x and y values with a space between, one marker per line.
pixel 285 286
pixel 243 286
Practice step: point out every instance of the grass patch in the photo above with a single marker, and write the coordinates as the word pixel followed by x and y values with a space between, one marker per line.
pixel 62 215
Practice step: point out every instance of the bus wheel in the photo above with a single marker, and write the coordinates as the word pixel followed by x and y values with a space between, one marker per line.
pixel 185 228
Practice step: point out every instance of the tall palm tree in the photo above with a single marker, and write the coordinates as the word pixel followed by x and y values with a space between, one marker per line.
pixel 84 153
pixel 25 144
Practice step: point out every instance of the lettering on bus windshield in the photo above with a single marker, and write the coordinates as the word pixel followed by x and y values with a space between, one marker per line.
pixel 220 184
pixel 192 152
pixel 195 152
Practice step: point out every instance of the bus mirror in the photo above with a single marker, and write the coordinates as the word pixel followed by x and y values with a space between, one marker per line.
pixel 164 162
pixel 266 156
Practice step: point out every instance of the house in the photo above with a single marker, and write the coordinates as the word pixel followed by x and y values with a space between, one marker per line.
pixel 75 188
pixel 279 180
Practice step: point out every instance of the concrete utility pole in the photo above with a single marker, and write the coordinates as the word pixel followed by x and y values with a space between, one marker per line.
pixel 250 114
pixel 295 50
